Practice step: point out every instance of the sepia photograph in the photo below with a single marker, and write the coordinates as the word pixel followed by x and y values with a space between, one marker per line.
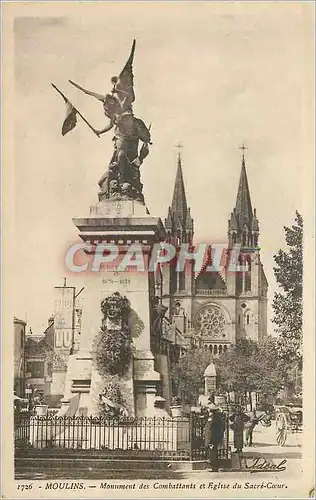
pixel 158 233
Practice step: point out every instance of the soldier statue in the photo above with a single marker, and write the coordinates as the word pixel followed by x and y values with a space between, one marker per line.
pixel 122 179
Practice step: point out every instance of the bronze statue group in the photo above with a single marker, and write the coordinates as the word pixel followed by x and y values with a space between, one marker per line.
pixel 122 179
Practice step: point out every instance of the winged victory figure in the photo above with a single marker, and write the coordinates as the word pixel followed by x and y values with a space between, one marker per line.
pixel 122 179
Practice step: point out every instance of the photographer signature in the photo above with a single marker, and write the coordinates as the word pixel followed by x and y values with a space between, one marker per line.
pixel 260 464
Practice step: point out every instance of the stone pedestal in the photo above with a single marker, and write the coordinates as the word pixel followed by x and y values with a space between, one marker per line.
pixel 122 223
pixel 176 410
pixel 41 410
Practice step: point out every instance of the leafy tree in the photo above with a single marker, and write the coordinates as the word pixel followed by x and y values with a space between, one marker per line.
pixel 287 303
pixel 245 367
pixel 250 367
pixel 235 367
pixel 269 369
pixel 187 375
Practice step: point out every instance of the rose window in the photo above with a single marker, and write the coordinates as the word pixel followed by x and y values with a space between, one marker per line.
pixel 210 322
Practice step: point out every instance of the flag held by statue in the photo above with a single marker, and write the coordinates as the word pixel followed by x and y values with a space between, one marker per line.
pixel 71 118
pixel 71 115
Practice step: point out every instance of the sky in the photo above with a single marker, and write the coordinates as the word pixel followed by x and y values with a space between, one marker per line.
pixel 210 75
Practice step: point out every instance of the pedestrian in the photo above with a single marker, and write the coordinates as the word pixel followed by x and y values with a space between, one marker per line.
pixel 214 431
pixel 249 427
pixel 238 419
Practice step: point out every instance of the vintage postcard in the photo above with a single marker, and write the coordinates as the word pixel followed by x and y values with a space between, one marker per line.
pixel 158 243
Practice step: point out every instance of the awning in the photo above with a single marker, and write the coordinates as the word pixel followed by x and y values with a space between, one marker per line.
pixel 23 400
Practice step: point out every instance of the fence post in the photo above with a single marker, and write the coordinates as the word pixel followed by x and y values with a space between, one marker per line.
pixel 191 434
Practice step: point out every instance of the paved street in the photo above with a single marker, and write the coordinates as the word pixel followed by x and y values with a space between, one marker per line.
pixel 265 447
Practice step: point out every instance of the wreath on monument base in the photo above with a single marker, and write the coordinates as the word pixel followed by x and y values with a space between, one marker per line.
pixel 112 348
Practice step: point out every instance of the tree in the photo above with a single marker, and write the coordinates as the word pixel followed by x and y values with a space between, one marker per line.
pixel 246 367
pixel 234 367
pixel 270 376
pixel 287 304
pixel 250 367
pixel 187 375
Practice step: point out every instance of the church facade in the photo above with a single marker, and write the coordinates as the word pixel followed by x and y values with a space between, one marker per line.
pixel 214 308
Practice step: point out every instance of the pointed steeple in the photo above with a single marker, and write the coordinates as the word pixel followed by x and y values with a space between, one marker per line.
pixel 179 201
pixel 179 223
pixel 243 226
pixel 243 201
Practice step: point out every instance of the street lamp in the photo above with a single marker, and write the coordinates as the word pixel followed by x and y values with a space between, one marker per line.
pixel 210 379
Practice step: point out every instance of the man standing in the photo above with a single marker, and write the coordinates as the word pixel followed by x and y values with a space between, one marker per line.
pixel 238 419
pixel 214 432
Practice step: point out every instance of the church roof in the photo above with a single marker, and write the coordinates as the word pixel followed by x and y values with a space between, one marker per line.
pixel 37 346
pixel 17 320
pixel 179 202
pixel 203 278
pixel 243 201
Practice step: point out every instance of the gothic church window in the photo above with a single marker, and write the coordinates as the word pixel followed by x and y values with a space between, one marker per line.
pixel 239 276
pixel 177 308
pixel 210 322
pixel 248 274
pixel 212 283
pixel 244 239
pixel 248 263
pixel 181 280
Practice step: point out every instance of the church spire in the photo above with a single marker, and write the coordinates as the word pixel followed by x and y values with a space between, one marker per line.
pixel 243 226
pixel 243 201
pixel 179 223
pixel 179 200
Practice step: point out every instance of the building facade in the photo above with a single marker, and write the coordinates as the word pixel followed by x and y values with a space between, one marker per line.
pixel 19 356
pixel 227 299
pixel 46 355
pixel 66 335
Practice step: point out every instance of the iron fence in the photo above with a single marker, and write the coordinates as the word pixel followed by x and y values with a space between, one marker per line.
pixel 177 438
pixel 197 441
